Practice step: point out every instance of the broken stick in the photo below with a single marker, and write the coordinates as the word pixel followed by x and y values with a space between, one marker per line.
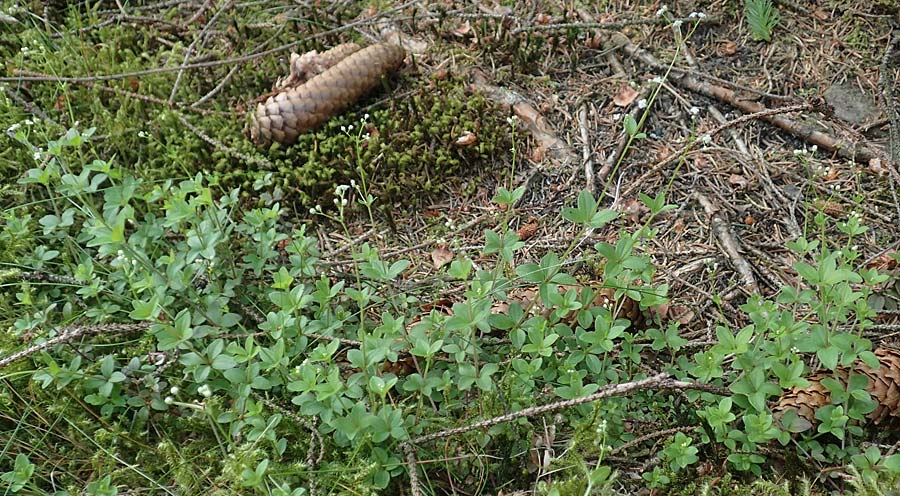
pixel 843 148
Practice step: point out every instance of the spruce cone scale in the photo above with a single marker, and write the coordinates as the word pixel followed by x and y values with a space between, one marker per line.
pixel 883 386
pixel 332 88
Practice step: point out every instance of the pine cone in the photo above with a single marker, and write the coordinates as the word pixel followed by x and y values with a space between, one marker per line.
pixel 311 64
pixel 884 387
pixel 301 108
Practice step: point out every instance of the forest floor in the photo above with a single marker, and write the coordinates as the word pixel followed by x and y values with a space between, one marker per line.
pixel 741 170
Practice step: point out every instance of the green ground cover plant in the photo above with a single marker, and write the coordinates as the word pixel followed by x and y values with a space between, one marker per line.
pixel 171 324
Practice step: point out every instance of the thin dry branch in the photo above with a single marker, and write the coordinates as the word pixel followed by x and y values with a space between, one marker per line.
pixel 843 148
pixel 729 243
pixel 655 21
pixel 658 381
pixel 20 76
pixel 586 154
pixel 68 334
pixel 767 113
pixel 534 122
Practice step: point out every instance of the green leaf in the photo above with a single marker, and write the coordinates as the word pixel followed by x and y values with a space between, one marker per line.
pixel 585 210
pixel 171 336
pixel 762 17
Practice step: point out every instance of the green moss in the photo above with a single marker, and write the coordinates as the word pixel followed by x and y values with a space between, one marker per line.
pixel 411 147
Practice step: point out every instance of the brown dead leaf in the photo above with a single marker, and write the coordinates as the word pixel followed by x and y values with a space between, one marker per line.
pixel 701 162
pixel 681 314
pixel 634 210
pixel 662 153
pixel 462 30
pixel 661 310
pixel 876 167
pixel 442 305
pixel 593 42
pixel 625 96
pixel 884 262
pixel 522 296
pixel 467 139
pixel 527 230
pixel 441 256
pixel 829 207
pixel 727 48
pixel 738 180
pixel 500 308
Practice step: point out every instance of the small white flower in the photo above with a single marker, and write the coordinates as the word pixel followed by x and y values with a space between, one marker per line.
pixel 676 24
pixel 350 127
pixel 694 110
pixel 169 400
pixel 657 80
pixel 343 129
pixel 366 117
pixel 29 122
pixel 344 202
pixel 204 391
pixel 13 128
pixel 352 183
pixel 706 139
pixel 512 120
pixel 642 103
pixel 662 10
pixel 366 137
pixel 813 148
pixel 37 155
pixel 697 15
pixel 174 390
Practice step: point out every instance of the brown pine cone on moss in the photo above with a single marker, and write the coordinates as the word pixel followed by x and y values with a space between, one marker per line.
pixel 331 90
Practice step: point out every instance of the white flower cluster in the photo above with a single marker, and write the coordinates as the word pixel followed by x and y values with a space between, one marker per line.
pixel 122 260
pixel 204 390
pixel 799 152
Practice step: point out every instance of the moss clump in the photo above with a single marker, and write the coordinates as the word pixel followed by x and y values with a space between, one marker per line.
pixel 411 147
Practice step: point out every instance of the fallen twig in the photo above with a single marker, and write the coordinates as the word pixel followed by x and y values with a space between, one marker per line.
pixel 841 147
pixel 636 183
pixel 68 334
pixel 533 121
pixel 723 232
pixel 586 153
pixel 658 381
pixel 655 21
pixel 21 77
